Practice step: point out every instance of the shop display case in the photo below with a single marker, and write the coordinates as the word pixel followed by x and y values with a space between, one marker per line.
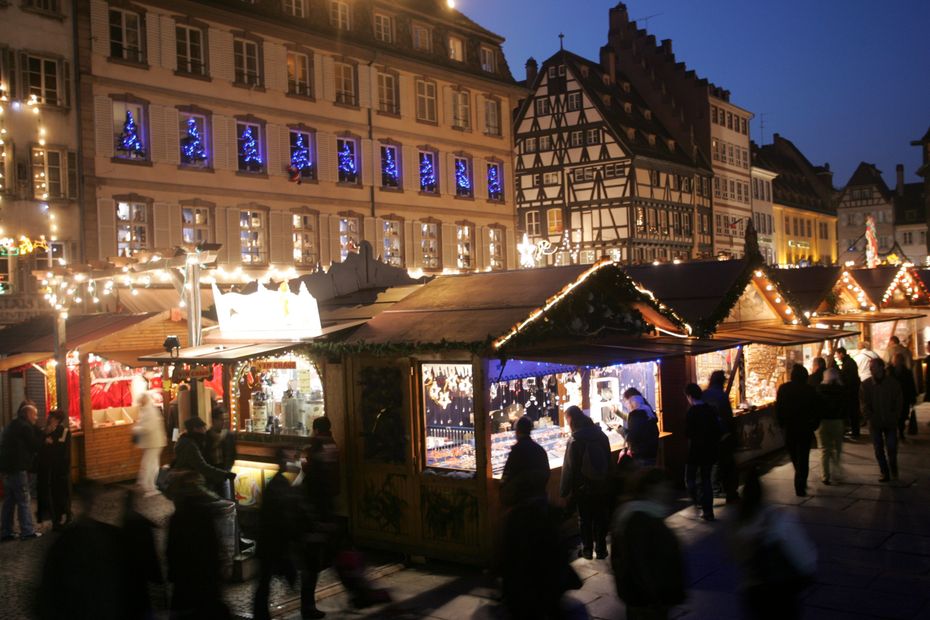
pixel 448 404
pixel 278 395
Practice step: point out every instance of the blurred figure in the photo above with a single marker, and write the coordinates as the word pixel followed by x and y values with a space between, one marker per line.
pixel 526 472
pixel 905 377
pixel 797 410
pixel 642 429
pixel 894 349
pixel 777 559
pixel 277 532
pixel 646 557
pixel 188 455
pixel 585 482
pixel 832 421
pixel 220 447
pixel 141 560
pixel 818 366
pixel 864 357
pixel 19 446
pixel 716 396
pixel 703 432
pixel 149 436
pixel 882 401
pixel 53 472
pixel 849 377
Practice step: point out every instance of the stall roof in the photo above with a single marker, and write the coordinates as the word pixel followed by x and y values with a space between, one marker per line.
pixel 37 335
pixel 867 317
pixel 875 281
pixel 784 335
pixel 808 286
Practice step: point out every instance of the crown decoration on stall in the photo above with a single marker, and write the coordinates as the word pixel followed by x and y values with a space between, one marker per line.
pixel 269 314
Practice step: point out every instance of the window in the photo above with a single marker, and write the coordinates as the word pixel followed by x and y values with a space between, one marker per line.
pixel 393 243
pixel 252 242
pixel 713 114
pixel 807 226
pixel 729 120
pixel 299 78
pixel 574 101
pixel 349 235
pixel 295 8
pixel 133 227
pixel 384 28
pixel 339 14
pixel 345 84
pixel 129 131
pixel 461 110
pixel 464 187
pixel 390 167
pixel 456 49
pixel 593 136
pixel 6 163
pixel 545 143
pixel 421 38
pixel 302 155
pixel 465 246
pixel 529 145
pixel 496 248
pixel 429 178
pixel 426 101
pixel 532 223
pixel 716 187
pixel 190 50
pixel 305 236
pixel 387 93
pixel 908 238
pixel 655 179
pixel 742 126
pixel 245 57
pixel 126 36
pixel 492 117
pixel 576 138
pixel 193 140
pixel 43 80
pixel 250 152
pixel 488 59
pixel 430 244
pixel 554 221
pixel 495 182
pixel 195 225
pixel 542 106
pixel 347 152
pixel 51 7
pixel 551 178
pixel 53 173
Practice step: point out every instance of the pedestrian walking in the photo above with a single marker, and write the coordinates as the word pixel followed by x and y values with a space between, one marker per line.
pixel 882 400
pixel 526 472
pixel 276 535
pixel 894 349
pixel 646 556
pixel 715 395
pixel 585 482
pixel 19 446
pixel 797 409
pixel 702 430
pixel 642 429
pixel 832 421
pixel 53 472
pixel 220 447
pixel 150 437
pixel 905 377
pixel 818 366
pixel 849 378
pixel 864 357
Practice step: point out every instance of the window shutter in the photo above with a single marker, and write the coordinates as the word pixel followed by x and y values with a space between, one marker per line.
pixel 325 251
pixel 479 176
pixel 220 234
pixel 65 97
pixel 329 79
pixel 284 147
pixel 172 135
pixel 221 55
pixel 23 72
pixel 406 95
pixel 158 130
pixel 378 241
pixel 35 174
pixel 364 85
pixel 153 39
pixel 370 233
pixel 326 161
pixel 169 50
pixel 446 104
pixel 220 143
pixel 282 239
pixel 412 244
pixel 448 246
pixel 275 67
pixel 335 254
pixel 273 143
pixel 411 163
pixel 103 126
pixel 506 170
pixel 480 113
pixel 318 78
pixel 106 228
pixel 175 237
pixel 366 162
pixel 450 174
pixel 510 246
pixel 72 175
pixel 233 249
pixel 484 247
pixel 162 225
pixel 100 27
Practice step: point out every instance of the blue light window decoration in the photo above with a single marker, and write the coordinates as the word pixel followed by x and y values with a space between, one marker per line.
pixel 302 166
pixel 390 172
pixel 428 179
pixel 193 147
pixel 250 153
pixel 129 143
pixel 348 162
pixel 463 182
pixel 495 182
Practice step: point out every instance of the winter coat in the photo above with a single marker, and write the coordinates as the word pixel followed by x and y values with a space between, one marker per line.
pixel 573 481
pixel 526 473
pixel 187 455
pixel 881 402
pixel 150 429
pixel 642 433
pixel 702 428
pixel 849 374
pixel 833 401
pixel 908 390
pixel 717 398
pixel 797 408
pixel 19 446
pixel 277 527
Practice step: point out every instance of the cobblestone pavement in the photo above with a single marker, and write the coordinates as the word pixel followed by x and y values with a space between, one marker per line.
pixel 873 542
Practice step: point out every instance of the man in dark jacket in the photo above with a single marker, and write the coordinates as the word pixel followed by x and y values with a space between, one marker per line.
pixel 585 481
pixel 642 429
pixel 905 377
pixel 797 409
pixel 277 532
pixel 188 454
pixel 716 396
pixel 526 472
pixel 220 447
pixel 18 448
pixel 881 399
pixel 849 376
pixel 703 432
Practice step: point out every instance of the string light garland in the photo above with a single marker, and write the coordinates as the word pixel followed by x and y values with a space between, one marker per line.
pixel 427 173
pixel 22 246
pixel 463 185
pixel 249 156
pixel 301 163
pixel 193 150
pixel 129 144
pixel 495 184
pixel 348 168
pixel 851 287
pixel 390 175
pixel 910 285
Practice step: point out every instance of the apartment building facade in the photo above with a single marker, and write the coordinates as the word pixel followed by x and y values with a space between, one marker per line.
pixel 763 214
pixel 865 194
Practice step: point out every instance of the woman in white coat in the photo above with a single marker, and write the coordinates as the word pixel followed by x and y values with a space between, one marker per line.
pixel 150 436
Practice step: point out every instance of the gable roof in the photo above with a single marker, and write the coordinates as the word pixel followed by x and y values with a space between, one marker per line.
pixel 808 286
pixel 866 175
pixel 37 334
pixel 798 183
pixel 909 205
pixel 875 281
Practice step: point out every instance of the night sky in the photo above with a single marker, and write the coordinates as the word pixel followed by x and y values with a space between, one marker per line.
pixel 845 80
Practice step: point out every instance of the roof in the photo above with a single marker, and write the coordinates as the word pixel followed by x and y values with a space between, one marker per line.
pixel 37 334
pixel 808 286
pixel 798 183
pixel 866 175
pixel 785 335
pixel 875 281
pixel 867 317
pixel 909 207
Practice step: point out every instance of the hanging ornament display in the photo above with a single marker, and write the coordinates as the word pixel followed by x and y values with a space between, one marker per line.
pixel 390 175
pixel 462 178
pixel 249 156
pixel 192 147
pixel 495 186
pixel 301 165
pixel 427 173
pixel 348 169
pixel 129 144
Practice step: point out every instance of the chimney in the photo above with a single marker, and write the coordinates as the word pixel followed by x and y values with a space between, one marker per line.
pixel 609 63
pixel 826 176
pixel 667 46
pixel 899 169
pixel 532 68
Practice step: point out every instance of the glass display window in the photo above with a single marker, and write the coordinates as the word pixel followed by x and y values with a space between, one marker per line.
pixel 726 360
pixel 115 390
pixel 608 384
pixel 765 371
pixel 448 407
pixel 277 395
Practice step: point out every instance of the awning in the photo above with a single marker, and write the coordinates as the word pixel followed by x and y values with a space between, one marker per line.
pixel 785 335
pixel 23 359
pixel 865 317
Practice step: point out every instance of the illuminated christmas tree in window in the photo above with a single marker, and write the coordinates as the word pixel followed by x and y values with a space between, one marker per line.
pixel 129 144
pixel 301 165
pixel 250 159
pixel 462 178
pixel 390 175
pixel 427 173
pixel 348 169
pixel 192 147
pixel 495 186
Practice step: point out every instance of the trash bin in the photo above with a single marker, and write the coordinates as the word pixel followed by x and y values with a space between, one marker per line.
pixel 228 534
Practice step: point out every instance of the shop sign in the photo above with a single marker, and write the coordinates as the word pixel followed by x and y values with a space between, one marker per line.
pixel 268 314
pixel 197 373
pixel 275 365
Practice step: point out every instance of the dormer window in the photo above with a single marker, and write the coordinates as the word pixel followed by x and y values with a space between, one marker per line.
pixel 488 59
pixel 456 49
pixel 421 38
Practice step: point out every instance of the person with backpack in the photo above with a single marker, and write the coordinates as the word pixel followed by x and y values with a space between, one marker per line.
pixel 702 428
pixel 642 429
pixel 585 481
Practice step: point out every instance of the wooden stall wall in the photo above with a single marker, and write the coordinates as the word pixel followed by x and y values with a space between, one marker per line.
pixel 675 372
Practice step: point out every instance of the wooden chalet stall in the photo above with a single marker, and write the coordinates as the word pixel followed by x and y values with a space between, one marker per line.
pixel 435 383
